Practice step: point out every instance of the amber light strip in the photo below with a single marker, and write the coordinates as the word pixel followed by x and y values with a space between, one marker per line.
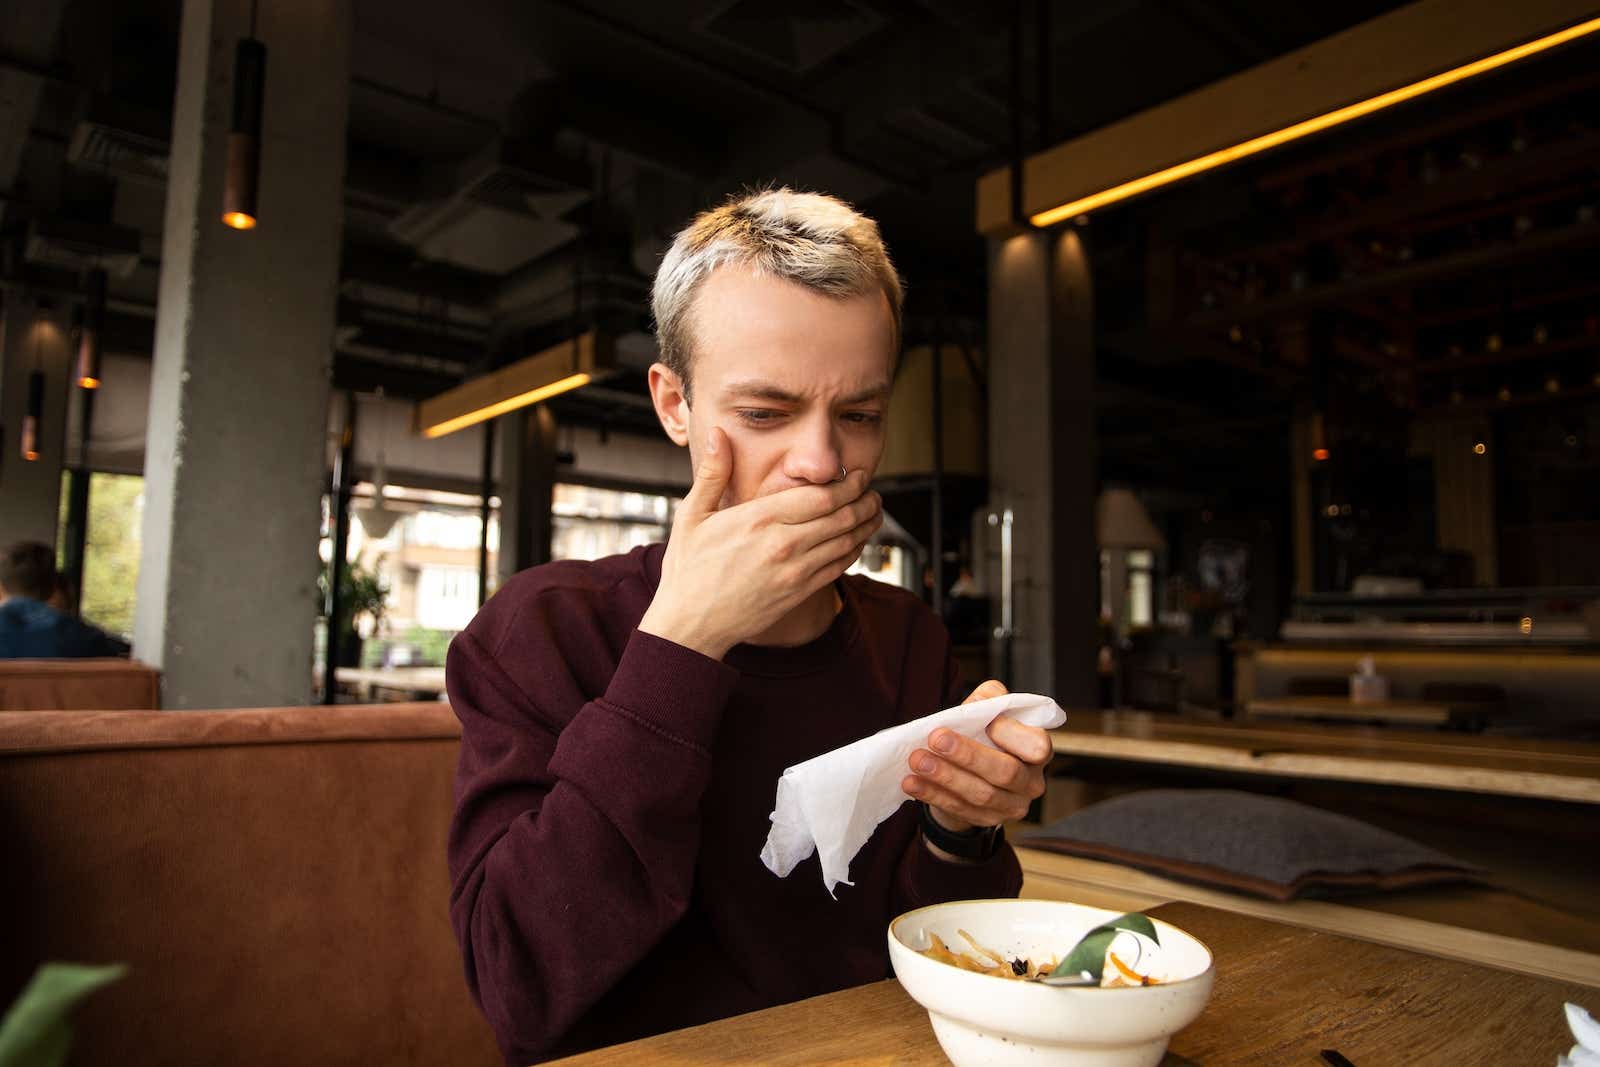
pixel 522 400
pixel 1309 126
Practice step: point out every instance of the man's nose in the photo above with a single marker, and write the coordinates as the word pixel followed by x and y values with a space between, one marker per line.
pixel 814 456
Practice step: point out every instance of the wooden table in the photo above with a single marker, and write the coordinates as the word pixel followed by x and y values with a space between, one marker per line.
pixel 1547 770
pixel 1282 995
pixel 1402 712
pixel 1472 923
pixel 411 682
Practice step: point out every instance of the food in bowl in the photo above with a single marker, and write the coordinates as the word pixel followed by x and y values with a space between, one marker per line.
pixel 1094 957
pixel 982 1018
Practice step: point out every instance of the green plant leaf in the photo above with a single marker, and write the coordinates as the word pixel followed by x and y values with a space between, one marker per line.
pixel 34 1033
pixel 1089 954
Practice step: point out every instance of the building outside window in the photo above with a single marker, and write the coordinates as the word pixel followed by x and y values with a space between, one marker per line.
pixel 423 546
pixel 590 522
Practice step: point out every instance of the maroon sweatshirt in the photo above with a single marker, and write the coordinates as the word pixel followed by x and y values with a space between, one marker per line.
pixel 613 796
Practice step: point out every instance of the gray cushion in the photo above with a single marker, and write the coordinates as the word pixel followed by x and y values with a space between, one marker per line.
pixel 1242 841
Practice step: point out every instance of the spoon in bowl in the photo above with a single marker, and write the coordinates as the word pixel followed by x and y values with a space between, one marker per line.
pixel 1082 978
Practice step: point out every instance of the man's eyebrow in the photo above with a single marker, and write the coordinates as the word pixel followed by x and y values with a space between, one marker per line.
pixel 876 392
pixel 764 390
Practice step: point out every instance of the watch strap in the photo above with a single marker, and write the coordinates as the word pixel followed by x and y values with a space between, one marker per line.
pixel 977 844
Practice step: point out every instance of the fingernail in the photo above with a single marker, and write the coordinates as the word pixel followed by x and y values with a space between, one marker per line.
pixel 711 442
pixel 943 742
pixel 915 788
pixel 923 764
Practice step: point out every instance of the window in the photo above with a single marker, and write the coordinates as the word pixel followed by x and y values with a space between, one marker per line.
pixel 446 597
pixel 589 522
pixel 423 547
pixel 110 549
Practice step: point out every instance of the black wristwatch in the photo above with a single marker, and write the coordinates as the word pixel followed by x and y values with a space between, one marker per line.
pixel 976 844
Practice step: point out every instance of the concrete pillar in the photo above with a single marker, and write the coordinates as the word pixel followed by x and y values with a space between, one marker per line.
pixel 239 393
pixel 1042 458
pixel 30 492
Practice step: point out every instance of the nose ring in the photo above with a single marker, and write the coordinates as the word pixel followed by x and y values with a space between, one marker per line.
pixel 843 474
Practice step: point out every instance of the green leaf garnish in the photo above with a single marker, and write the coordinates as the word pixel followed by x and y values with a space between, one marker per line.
pixel 1089 954
pixel 35 1030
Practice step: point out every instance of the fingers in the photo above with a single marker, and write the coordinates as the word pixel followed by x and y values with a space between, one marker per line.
pixel 806 503
pixel 978 784
pixel 991 688
pixel 966 796
pixel 868 507
pixel 844 546
pixel 937 796
pixel 710 478
pixel 1029 744
pixel 1001 770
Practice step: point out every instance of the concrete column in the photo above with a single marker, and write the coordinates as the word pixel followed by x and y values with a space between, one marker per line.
pixel 239 393
pixel 30 492
pixel 1041 457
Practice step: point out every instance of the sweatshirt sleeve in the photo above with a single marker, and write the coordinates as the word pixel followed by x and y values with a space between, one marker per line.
pixel 576 830
pixel 923 878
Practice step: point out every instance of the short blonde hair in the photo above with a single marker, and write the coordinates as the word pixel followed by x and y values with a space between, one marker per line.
pixel 811 239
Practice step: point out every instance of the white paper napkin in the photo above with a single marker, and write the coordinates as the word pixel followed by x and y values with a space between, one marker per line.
pixel 1586 1053
pixel 831 804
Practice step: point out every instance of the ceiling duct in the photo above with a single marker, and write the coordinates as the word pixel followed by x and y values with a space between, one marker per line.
pixel 78 246
pixel 123 141
pixel 507 207
pixel 798 39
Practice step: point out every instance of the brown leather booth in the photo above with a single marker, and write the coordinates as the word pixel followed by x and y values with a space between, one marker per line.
pixel 274 878
pixel 71 684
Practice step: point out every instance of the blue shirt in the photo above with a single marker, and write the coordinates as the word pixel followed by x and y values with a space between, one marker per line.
pixel 31 629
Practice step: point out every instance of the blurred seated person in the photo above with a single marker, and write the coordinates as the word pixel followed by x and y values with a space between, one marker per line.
pixel 33 622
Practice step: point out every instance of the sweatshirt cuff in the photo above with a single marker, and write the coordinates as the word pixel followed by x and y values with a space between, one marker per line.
pixel 927 879
pixel 672 689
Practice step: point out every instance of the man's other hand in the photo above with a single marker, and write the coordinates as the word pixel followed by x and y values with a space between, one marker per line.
pixel 730 573
pixel 968 784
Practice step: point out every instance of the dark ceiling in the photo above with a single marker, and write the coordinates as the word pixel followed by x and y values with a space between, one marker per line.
pixel 1374 263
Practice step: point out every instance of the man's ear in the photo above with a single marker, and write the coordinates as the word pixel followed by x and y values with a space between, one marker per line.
pixel 672 405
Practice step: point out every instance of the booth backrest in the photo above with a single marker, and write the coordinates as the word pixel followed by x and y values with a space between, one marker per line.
pixel 74 684
pixel 274 878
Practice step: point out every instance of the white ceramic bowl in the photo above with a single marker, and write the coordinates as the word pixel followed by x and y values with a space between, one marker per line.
pixel 980 1019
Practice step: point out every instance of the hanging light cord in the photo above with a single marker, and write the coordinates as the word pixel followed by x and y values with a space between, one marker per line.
pixel 255 6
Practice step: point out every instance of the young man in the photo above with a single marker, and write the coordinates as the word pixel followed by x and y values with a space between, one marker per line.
pixel 625 722
pixel 32 624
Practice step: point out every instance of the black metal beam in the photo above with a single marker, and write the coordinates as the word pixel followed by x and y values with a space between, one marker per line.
pixel 485 490
pixel 333 605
